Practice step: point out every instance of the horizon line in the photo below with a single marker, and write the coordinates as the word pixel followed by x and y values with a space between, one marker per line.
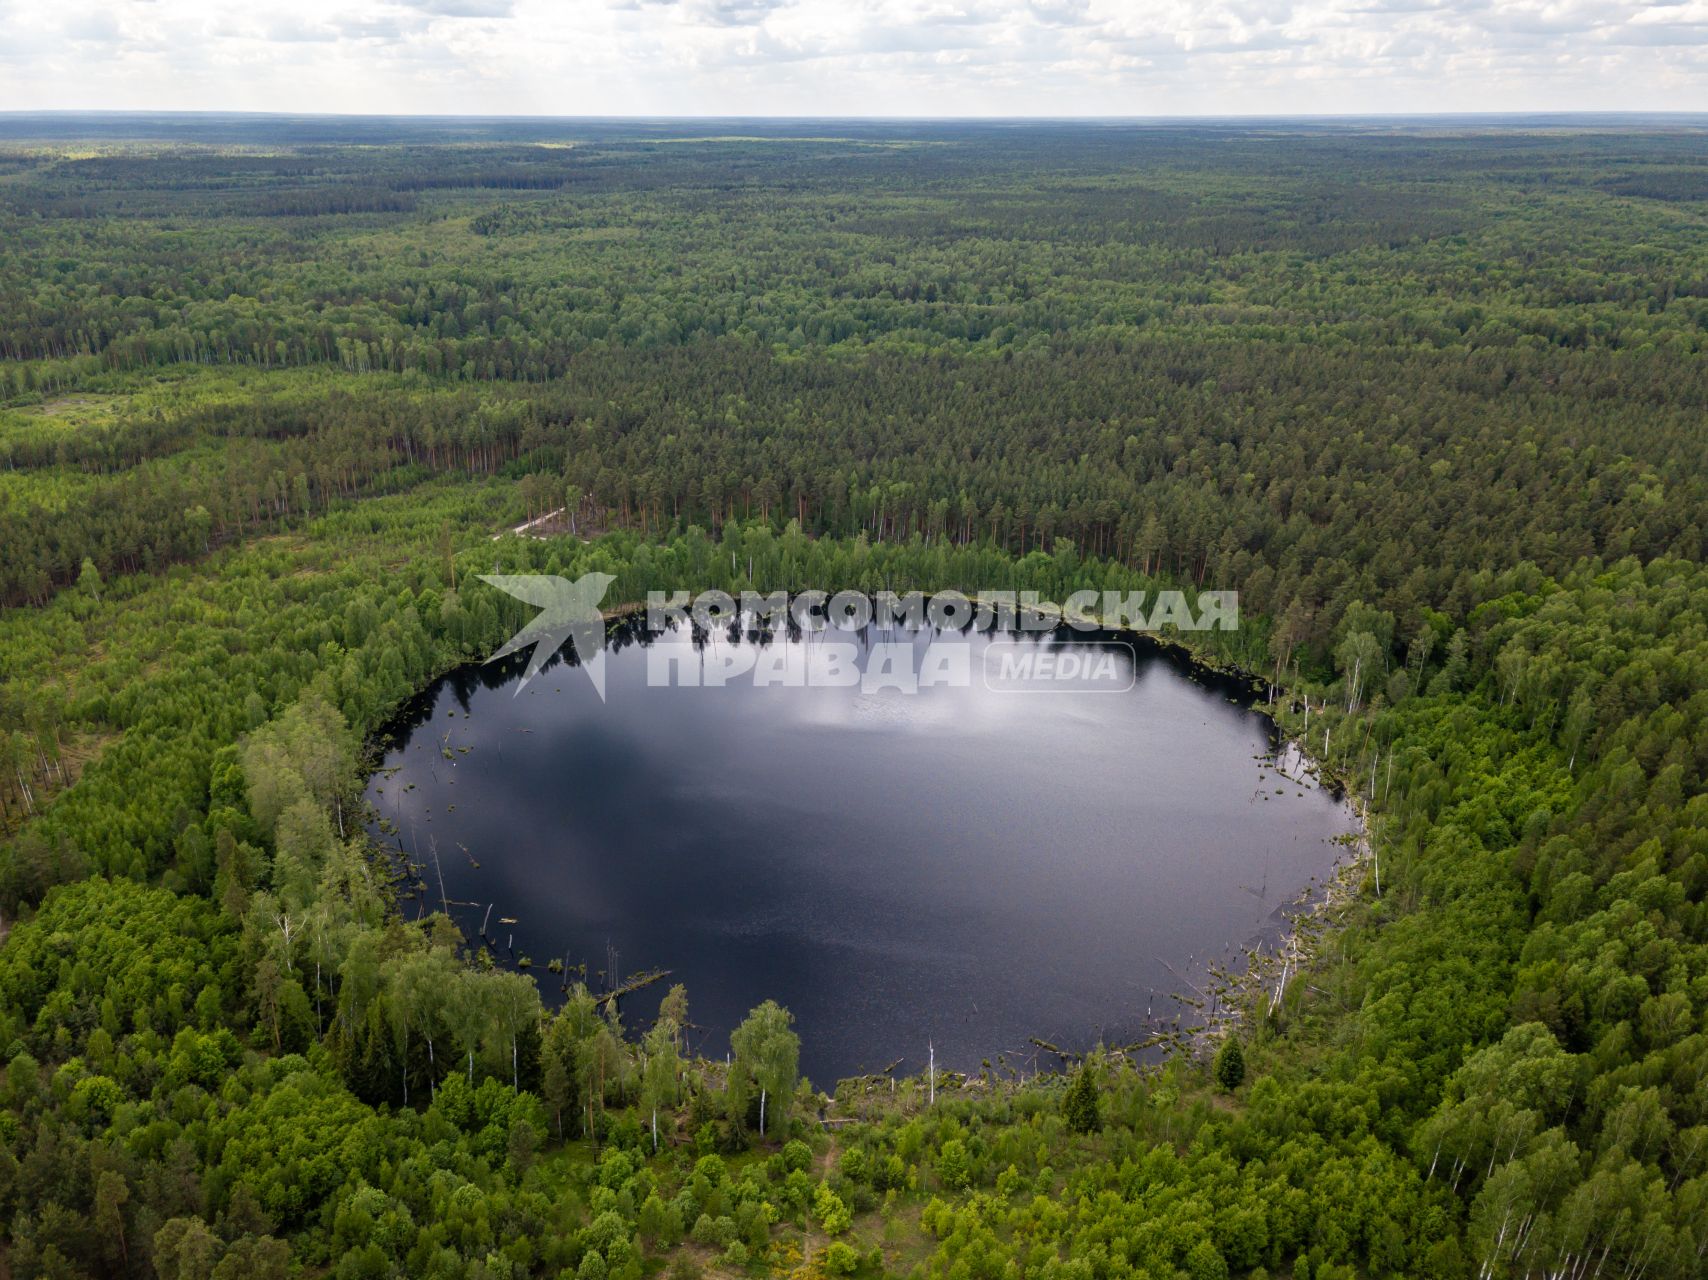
pixel 1529 114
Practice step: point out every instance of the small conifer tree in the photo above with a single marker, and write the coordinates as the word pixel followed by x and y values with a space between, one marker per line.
pixel 1230 1065
pixel 1083 1104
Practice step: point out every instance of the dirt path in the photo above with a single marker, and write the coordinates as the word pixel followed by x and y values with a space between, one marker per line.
pixel 822 1165
pixel 526 525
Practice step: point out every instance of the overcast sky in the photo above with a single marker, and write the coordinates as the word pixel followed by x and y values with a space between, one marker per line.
pixel 855 57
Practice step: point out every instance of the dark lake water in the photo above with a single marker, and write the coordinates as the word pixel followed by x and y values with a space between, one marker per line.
pixel 962 866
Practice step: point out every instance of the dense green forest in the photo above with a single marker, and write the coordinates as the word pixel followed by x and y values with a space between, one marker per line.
pixel 1432 400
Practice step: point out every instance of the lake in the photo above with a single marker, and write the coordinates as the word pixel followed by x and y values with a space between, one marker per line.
pixel 964 867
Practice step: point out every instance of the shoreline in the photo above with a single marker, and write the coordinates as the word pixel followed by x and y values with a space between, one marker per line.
pixel 1268 972
pixel 1222 996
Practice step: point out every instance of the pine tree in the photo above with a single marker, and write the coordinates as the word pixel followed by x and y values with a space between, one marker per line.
pixel 1083 1105
pixel 1230 1065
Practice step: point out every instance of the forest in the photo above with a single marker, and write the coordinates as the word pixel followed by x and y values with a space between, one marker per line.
pixel 274 393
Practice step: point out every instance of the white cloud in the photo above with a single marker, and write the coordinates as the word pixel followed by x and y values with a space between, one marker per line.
pixel 856 57
pixel 462 8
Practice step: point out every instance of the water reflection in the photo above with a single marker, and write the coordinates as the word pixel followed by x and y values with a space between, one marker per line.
pixel 960 866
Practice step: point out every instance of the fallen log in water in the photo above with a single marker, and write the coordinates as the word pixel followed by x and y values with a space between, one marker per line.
pixel 632 984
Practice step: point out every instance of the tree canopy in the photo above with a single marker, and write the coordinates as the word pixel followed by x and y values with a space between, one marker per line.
pixel 272 400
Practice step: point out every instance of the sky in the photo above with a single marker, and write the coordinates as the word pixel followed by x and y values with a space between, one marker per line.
pixel 855 57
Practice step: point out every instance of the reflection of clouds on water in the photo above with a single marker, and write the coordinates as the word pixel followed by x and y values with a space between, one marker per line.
pixel 881 863
pixel 890 709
